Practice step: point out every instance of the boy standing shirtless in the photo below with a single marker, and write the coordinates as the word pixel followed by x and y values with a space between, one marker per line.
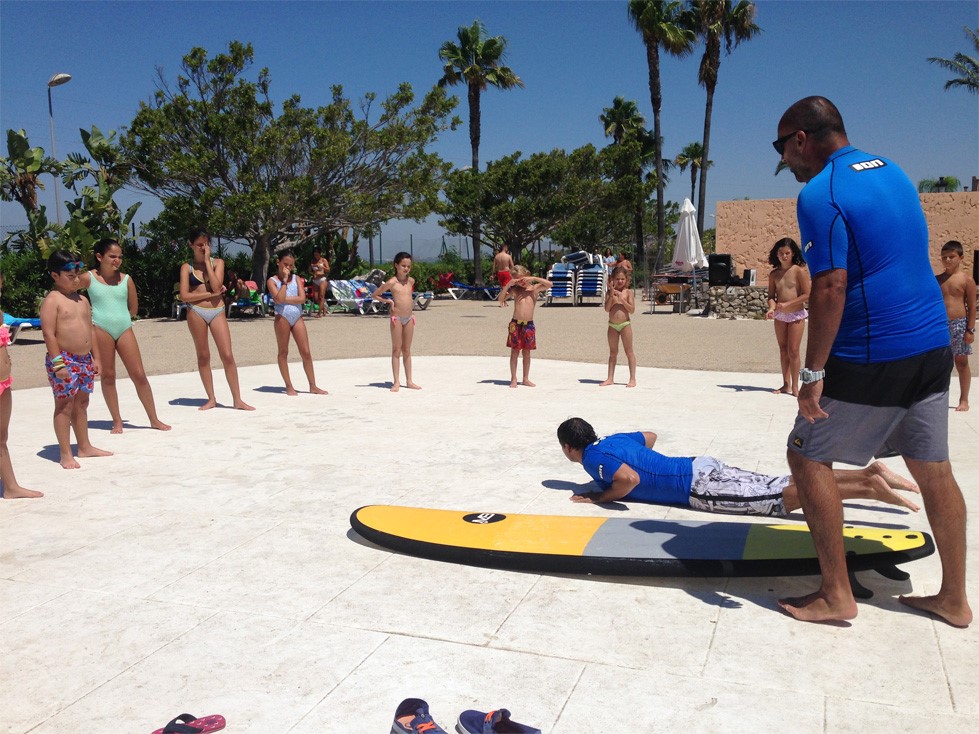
pixel 522 334
pixel 66 323
pixel 959 292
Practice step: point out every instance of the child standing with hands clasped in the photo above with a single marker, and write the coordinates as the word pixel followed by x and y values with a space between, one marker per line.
pixel 402 319
pixel 9 488
pixel 959 292
pixel 620 303
pixel 66 323
pixel 788 290
pixel 521 333
pixel 289 294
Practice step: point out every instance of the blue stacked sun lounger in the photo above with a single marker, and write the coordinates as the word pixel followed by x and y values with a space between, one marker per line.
pixel 562 279
pixel 15 325
pixel 486 291
pixel 590 282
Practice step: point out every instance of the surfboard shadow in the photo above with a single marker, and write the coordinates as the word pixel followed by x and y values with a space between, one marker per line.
pixel 746 388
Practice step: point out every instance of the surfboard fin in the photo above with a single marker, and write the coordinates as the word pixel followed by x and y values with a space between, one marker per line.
pixel 892 572
pixel 859 590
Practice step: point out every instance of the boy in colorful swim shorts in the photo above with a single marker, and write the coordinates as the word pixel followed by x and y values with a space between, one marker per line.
pixel 522 334
pixel 66 323
pixel 620 303
pixel 9 488
pixel 959 292
pixel 402 319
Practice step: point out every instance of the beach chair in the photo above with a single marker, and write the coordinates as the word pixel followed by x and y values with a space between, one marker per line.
pixel 353 296
pixel 444 283
pixel 16 325
pixel 590 282
pixel 485 291
pixel 562 278
pixel 422 299
pixel 178 309
pixel 256 303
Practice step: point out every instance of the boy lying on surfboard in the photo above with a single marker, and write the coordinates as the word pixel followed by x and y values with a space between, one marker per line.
pixel 626 468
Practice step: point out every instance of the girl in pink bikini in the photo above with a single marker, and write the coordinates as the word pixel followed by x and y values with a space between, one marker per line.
pixel 788 290
pixel 11 489
pixel 402 319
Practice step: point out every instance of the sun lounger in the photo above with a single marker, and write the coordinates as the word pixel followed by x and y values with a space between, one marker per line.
pixel 15 325
pixel 563 283
pixel 590 282
pixel 254 303
pixel 353 295
pixel 489 292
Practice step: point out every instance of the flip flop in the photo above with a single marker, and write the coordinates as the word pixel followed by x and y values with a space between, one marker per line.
pixel 190 724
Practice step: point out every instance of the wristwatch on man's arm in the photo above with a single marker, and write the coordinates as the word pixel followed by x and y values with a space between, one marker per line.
pixel 808 376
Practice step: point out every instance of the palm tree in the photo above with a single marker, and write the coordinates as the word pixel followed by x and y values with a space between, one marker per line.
pixel 621 119
pixel 692 156
pixel 967 67
pixel 714 20
pixel 660 23
pixel 623 123
pixel 936 185
pixel 476 62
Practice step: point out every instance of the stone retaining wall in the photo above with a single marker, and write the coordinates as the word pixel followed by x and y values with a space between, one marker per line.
pixel 738 301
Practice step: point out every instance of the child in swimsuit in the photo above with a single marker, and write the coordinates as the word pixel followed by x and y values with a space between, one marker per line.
pixel 289 294
pixel 66 323
pixel 114 303
pixel 620 303
pixel 521 332
pixel 202 286
pixel 402 320
pixel 788 291
pixel 959 294
pixel 9 488
pixel 319 267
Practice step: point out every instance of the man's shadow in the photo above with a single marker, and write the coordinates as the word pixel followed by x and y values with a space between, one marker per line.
pixel 586 488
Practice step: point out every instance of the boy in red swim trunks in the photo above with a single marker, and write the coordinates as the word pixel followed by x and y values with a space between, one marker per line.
pixel 66 323
pixel 521 334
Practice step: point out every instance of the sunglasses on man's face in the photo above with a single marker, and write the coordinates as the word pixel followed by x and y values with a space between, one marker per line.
pixel 72 267
pixel 779 144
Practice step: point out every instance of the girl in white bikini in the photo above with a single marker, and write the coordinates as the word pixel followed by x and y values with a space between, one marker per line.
pixel 202 287
pixel 788 290
pixel 288 293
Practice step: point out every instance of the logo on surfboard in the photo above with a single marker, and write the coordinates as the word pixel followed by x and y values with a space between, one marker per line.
pixel 484 518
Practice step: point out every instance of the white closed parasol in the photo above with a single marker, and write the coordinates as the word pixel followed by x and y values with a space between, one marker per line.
pixel 688 255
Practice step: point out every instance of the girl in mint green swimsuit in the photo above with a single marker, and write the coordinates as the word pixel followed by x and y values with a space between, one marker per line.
pixel 113 297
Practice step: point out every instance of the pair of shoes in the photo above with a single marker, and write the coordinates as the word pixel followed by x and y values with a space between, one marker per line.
pixel 411 717
pixel 494 722
pixel 190 724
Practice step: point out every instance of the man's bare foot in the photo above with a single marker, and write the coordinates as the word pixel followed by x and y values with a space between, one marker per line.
pixel 395 387
pixel 242 405
pixel 19 493
pixel 209 404
pixel 606 383
pixel 784 390
pixel 116 428
pixel 290 390
pixel 816 607
pixel 528 383
pixel 68 462
pixel 159 425
pixel 957 615
pixel 631 383
pixel 90 452
pixel 963 407
pixel 317 390
pixel 883 492
pixel 412 386
pixel 894 480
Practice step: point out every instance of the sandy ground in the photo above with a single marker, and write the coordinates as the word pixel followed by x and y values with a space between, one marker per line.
pixel 472 328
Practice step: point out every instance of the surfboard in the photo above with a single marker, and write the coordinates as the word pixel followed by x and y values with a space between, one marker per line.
pixel 625 547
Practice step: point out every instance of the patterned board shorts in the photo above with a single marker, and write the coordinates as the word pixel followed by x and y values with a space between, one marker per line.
pixel 956 329
pixel 521 335
pixel 81 375
pixel 717 487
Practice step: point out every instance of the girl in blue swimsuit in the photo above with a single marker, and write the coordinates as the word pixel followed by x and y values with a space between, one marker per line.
pixel 202 287
pixel 114 303
pixel 288 293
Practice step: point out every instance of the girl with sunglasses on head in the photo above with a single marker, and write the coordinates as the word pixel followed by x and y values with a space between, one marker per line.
pixel 114 304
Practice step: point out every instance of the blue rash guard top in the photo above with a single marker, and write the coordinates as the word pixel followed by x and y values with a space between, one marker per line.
pixel 662 479
pixel 862 213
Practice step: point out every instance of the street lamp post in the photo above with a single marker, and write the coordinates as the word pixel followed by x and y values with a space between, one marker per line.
pixel 56 81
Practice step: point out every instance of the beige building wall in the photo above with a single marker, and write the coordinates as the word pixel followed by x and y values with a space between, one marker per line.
pixel 747 229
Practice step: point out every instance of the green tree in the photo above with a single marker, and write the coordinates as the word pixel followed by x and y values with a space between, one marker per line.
pixel 942 183
pixel 661 24
pixel 20 178
pixel 216 152
pixel 692 156
pixel 967 67
pixel 714 21
pixel 476 61
pixel 621 119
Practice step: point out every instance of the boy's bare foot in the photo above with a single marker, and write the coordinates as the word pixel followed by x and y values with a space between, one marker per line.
pixel 290 390
pixel 317 390
pixel 631 383
pixel 242 405
pixel 817 608
pixel 606 383
pixel 963 406
pixel 957 615
pixel 784 390
pixel 413 386
pixel 513 383
pixel 209 404
pixel 68 462
pixel 91 452
pixel 159 425
pixel 883 492
pixel 528 383
pixel 116 428
pixel 395 387
pixel 18 493
pixel 894 480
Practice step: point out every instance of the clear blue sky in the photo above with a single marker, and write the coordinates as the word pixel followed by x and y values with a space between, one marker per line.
pixel 869 57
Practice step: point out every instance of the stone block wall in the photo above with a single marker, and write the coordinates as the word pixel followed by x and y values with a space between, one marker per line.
pixel 738 302
pixel 747 229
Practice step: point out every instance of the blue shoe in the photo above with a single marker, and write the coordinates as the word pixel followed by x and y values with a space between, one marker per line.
pixel 494 722
pixel 411 717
